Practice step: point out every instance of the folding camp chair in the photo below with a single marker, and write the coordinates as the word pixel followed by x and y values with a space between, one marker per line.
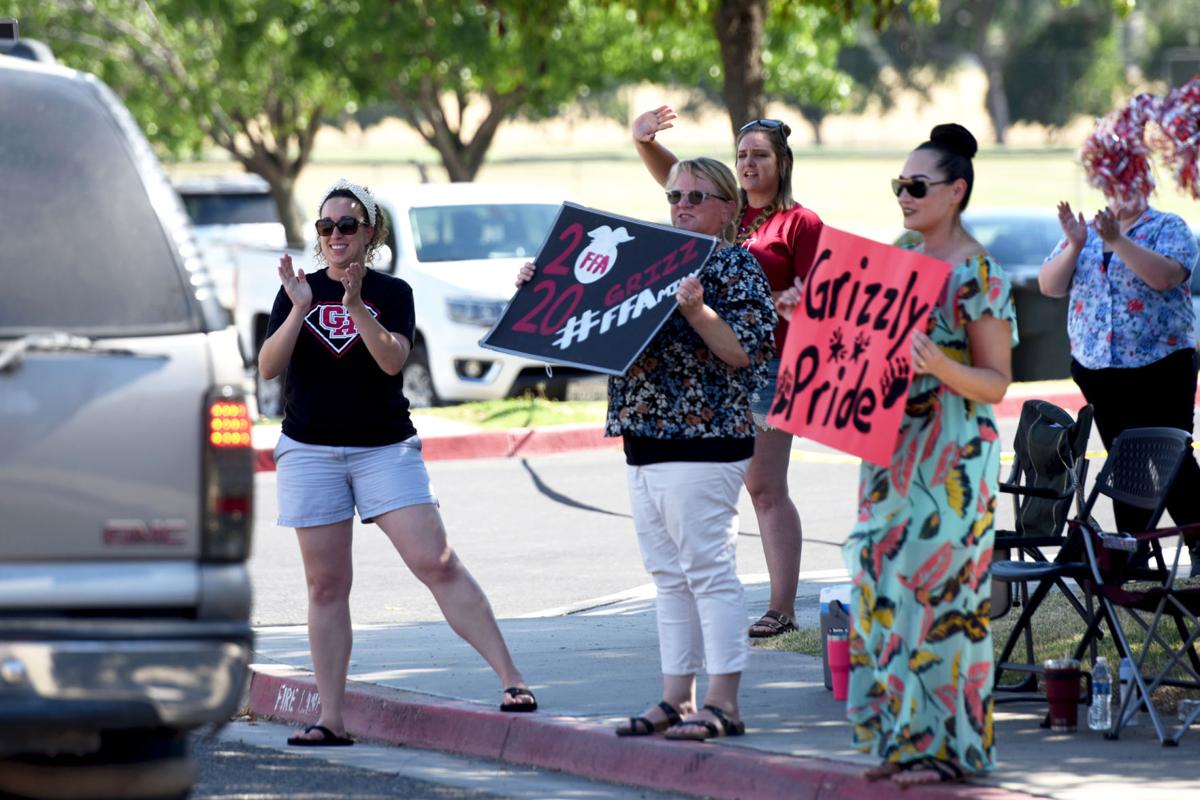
pixel 1047 477
pixel 1129 574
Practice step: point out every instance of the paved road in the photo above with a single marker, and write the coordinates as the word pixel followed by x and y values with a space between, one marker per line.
pixel 537 533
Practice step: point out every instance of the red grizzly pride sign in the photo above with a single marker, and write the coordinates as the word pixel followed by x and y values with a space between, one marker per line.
pixel 847 362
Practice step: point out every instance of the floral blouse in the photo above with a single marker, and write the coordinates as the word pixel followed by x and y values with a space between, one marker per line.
pixel 1115 318
pixel 678 388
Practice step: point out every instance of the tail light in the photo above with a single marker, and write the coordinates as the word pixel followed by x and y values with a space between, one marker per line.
pixel 228 477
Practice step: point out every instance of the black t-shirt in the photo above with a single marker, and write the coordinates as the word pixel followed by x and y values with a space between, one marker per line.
pixel 335 393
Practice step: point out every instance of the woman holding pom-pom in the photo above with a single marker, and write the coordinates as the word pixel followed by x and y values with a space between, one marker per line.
pixel 1130 319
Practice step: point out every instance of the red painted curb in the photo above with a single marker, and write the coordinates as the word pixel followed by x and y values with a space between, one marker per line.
pixel 580 748
pixel 560 439
pixel 494 444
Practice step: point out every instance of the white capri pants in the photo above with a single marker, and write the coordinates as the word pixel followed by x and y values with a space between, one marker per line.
pixel 686 518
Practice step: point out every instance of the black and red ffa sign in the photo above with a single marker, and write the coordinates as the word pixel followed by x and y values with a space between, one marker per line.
pixel 602 288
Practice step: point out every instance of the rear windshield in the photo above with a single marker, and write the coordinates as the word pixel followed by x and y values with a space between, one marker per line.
pixel 464 233
pixel 1016 241
pixel 84 250
pixel 230 208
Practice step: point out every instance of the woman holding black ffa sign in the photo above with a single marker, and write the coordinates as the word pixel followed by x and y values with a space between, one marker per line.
pixel 782 235
pixel 343 334
pixel 683 409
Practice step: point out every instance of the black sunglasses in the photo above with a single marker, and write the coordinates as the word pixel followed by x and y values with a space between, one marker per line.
pixel 695 196
pixel 917 188
pixel 770 124
pixel 347 225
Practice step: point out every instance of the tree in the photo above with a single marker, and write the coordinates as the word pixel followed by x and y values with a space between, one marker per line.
pixel 1017 44
pixel 739 28
pixel 254 77
pixel 455 70
pixel 1165 40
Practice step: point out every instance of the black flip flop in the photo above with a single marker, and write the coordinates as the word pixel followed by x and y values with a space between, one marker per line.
pixel 710 730
pixel 328 738
pixel 519 708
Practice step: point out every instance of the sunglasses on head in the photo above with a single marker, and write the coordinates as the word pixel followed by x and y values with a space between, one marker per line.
pixel 694 197
pixel 916 187
pixel 347 225
pixel 770 124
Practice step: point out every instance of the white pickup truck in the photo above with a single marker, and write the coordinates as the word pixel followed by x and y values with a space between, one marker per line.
pixel 460 246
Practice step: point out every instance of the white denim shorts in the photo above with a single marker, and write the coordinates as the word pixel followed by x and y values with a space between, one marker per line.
pixel 320 485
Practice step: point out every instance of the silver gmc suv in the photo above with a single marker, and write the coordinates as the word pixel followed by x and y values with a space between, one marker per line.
pixel 126 473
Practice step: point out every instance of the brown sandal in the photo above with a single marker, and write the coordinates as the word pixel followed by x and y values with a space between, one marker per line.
pixel 771 624
pixel 643 726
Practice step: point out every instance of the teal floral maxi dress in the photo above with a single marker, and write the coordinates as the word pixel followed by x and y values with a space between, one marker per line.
pixel 921 646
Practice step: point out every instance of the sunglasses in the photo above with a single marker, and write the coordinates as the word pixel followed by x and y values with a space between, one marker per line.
pixel 916 187
pixel 348 226
pixel 694 197
pixel 770 124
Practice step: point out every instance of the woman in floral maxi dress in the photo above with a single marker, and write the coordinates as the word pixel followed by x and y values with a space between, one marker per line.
pixel 920 695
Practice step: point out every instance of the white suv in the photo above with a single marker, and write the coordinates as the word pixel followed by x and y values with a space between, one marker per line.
pixel 460 246
pixel 126 473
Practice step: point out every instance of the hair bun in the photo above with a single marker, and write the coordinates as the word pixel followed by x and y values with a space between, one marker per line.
pixel 955 138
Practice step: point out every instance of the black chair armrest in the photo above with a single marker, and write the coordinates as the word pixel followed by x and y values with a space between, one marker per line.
pixel 1036 491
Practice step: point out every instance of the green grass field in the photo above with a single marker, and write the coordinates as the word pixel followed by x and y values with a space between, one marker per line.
pixel 849 189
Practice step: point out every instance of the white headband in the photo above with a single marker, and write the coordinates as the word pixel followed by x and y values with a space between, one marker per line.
pixel 360 194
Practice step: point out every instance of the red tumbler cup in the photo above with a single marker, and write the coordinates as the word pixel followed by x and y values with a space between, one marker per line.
pixel 838 653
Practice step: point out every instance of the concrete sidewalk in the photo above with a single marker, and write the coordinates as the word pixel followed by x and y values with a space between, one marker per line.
pixel 421 686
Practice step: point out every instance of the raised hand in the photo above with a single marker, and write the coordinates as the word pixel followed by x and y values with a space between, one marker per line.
pixel 294 283
pixel 649 123
pixel 1073 226
pixel 352 283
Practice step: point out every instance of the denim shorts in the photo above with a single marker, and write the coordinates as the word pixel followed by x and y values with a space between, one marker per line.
pixel 321 485
pixel 760 400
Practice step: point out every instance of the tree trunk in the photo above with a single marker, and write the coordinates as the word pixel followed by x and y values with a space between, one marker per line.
pixel 997 99
pixel 814 117
pixel 462 159
pixel 992 62
pixel 739 26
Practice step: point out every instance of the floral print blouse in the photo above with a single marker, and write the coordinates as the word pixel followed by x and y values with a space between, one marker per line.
pixel 1115 319
pixel 678 388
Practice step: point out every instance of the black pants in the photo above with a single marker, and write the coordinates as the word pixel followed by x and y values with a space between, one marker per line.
pixel 1162 394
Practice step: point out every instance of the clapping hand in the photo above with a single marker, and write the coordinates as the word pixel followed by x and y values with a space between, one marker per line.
pixel 294 283
pixel 1107 225
pixel 1074 227
pixel 649 123
pixel 352 284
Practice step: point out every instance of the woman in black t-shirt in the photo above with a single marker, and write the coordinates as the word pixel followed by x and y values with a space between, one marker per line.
pixel 343 334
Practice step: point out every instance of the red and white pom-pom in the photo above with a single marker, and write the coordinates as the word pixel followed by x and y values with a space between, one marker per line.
pixel 1179 125
pixel 1115 156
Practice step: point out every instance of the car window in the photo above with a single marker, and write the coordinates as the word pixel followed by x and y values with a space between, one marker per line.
pixel 1016 241
pixel 231 208
pixel 460 233
pixel 84 250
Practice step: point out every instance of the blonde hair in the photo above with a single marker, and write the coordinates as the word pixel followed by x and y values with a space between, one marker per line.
pixel 722 180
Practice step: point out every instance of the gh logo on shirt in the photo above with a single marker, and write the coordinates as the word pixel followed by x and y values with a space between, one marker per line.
pixel 333 325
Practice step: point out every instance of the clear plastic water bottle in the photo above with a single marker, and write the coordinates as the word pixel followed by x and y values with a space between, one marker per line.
pixel 1100 712
pixel 1125 672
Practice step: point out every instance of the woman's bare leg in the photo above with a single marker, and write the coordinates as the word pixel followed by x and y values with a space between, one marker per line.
pixel 778 519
